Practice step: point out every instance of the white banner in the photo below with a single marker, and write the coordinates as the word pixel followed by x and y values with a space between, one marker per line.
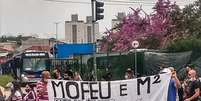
pixel 151 88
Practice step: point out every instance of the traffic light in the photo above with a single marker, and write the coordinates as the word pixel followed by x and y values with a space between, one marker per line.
pixel 51 51
pixel 54 50
pixel 99 10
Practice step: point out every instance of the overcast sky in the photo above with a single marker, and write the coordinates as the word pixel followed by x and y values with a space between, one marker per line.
pixel 38 16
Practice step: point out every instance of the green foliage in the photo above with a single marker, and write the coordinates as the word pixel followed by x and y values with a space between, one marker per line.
pixel 150 43
pixel 189 44
pixel 187 21
pixel 5 79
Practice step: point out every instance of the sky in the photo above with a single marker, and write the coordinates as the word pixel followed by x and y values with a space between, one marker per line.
pixel 37 17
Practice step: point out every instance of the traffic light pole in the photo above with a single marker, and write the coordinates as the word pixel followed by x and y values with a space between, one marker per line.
pixel 94 38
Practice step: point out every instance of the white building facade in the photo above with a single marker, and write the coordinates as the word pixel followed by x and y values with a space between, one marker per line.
pixel 77 31
pixel 118 20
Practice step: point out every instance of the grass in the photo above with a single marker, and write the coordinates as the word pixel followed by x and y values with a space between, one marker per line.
pixel 5 79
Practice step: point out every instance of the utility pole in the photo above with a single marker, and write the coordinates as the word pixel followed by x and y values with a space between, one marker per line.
pixel 97 11
pixel 56 26
pixel 94 39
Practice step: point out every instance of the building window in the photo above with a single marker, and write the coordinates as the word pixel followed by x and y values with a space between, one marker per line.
pixel 89 35
pixel 74 33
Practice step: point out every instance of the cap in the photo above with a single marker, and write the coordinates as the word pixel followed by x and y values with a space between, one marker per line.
pixel 171 68
pixel 166 70
pixel 129 70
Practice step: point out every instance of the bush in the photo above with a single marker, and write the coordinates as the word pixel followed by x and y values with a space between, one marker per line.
pixel 188 44
pixel 5 79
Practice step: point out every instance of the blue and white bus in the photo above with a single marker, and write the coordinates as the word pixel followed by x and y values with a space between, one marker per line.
pixel 28 66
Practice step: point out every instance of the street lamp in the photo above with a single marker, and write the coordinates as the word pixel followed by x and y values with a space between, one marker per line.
pixel 56 26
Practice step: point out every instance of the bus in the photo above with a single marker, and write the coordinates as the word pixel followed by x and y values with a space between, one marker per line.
pixel 116 64
pixel 27 66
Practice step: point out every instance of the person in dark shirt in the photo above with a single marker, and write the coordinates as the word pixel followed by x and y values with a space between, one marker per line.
pixel 31 94
pixel 181 92
pixel 194 89
pixel 68 75
pixel 186 82
pixel 57 74
pixel 107 76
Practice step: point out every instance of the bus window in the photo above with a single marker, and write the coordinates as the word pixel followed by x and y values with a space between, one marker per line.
pixel 34 64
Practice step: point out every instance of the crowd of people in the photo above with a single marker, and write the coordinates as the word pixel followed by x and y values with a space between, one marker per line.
pixel 191 86
pixel 183 90
pixel 186 90
pixel 38 91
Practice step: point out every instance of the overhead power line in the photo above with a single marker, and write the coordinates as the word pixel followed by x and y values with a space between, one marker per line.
pixel 107 2
pixel 118 1
pixel 62 1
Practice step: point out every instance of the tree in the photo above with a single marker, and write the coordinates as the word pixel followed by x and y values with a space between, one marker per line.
pixel 187 21
pixel 140 26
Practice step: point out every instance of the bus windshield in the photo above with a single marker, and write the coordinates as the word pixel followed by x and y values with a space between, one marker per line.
pixel 34 64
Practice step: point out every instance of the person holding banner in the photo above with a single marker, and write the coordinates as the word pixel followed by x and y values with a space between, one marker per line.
pixel 68 75
pixel 194 89
pixel 57 74
pixel 31 94
pixel 77 76
pixel 173 85
pixel 16 92
pixel 186 82
pixel 41 86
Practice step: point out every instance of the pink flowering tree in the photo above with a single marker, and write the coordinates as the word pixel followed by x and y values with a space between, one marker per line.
pixel 140 26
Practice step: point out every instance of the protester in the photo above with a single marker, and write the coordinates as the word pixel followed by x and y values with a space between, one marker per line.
pixel 188 68
pixel 107 76
pixel 41 86
pixel 194 89
pixel 173 85
pixel 16 92
pixel 181 92
pixel 77 76
pixel 129 74
pixel 57 74
pixel 186 82
pixel 68 75
pixel 31 94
